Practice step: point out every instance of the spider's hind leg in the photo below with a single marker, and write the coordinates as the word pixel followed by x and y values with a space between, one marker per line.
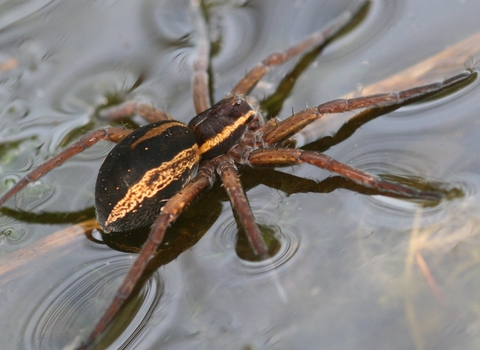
pixel 172 209
pixel 86 141
pixel 131 108
pixel 200 78
pixel 316 39
pixel 229 174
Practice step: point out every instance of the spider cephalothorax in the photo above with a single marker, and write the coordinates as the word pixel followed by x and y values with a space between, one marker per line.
pixel 156 171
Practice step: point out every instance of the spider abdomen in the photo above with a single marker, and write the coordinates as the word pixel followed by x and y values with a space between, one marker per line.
pixel 142 172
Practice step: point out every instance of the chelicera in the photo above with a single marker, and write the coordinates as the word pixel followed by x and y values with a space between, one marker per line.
pixel 156 171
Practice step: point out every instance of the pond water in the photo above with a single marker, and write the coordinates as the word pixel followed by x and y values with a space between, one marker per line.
pixel 353 271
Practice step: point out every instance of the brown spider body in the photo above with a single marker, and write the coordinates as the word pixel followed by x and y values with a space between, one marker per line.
pixel 151 175
pixel 156 161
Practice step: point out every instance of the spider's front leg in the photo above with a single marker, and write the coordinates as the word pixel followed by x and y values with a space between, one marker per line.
pixel 275 133
pixel 284 157
pixel 229 174
pixel 86 141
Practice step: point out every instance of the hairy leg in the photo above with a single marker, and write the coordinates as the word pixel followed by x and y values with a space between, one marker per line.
pixel 130 108
pixel 318 38
pixel 200 79
pixel 284 157
pixel 86 141
pixel 277 132
pixel 172 209
pixel 229 175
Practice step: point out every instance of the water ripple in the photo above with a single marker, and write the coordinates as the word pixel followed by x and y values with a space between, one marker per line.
pixel 239 30
pixel 70 308
pixel 289 245
pixel 232 27
pixel 285 245
pixel 11 234
pixel 468 182
pixel 377 157
pixel 378 19
pixel 15 10
pixel 85 92
pixel 168 18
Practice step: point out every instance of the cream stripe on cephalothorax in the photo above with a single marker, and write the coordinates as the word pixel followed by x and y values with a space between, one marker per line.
pixel 225 133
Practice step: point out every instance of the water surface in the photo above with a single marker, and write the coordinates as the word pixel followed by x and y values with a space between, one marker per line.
pixel 352 271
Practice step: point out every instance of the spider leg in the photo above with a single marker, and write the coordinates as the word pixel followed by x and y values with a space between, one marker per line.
pixel 172 209
pixel 130 108
pixel 200 79
pixel 229 174
pixel 86 141
pixel 286 156
pixel 316 39
pixel 275 133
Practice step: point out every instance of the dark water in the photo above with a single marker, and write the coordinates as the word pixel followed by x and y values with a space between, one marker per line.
pixel 348 274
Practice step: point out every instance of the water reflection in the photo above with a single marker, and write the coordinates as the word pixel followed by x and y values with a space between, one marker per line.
pixel 84 92
pixel 67 311
pixel 16 10
pixel 342 253
pixel 288 247
pixel 234 244
pixel 11 234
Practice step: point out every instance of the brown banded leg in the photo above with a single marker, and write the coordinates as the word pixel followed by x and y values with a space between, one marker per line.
pixel 172 209
pixel 229 174
pixel 275 133
pixel 285 156
pixel 316 39
pixel 130 108
pixel 86 141
pixel 200 83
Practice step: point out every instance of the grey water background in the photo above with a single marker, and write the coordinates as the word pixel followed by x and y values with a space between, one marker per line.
pixel 349 274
